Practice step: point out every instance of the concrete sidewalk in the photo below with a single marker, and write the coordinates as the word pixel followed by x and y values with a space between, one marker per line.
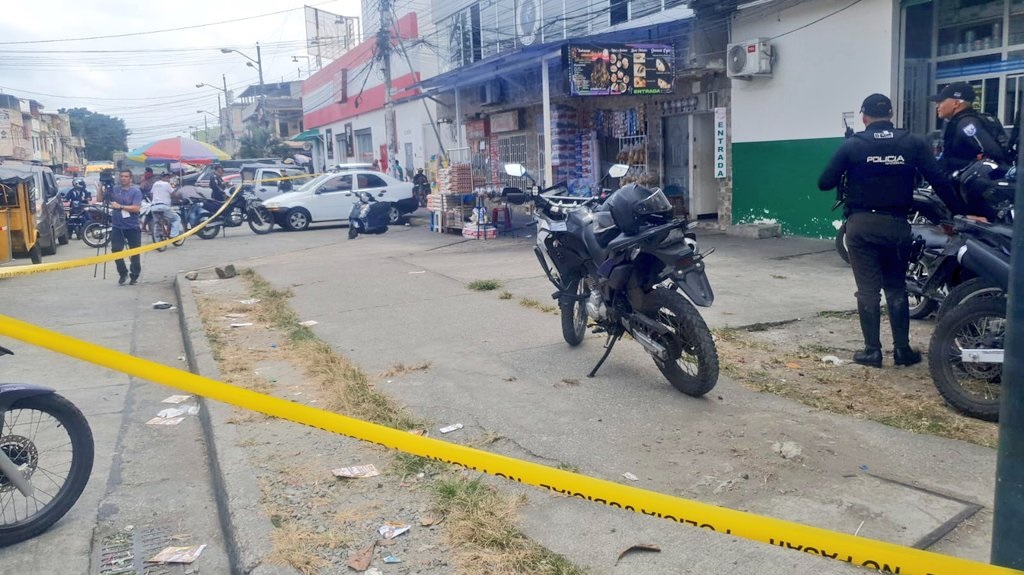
pixel 500 369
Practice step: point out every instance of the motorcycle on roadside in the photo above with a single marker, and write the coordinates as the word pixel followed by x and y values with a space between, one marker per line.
pixel 965 354
pixel 626 264
pixel 368 216
pixel 46 457
pixel 250 209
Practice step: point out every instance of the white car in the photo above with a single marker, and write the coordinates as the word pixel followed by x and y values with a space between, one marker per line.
pixel 329 198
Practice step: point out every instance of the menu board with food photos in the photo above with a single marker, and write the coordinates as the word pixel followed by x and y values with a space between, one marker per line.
pixel 618 69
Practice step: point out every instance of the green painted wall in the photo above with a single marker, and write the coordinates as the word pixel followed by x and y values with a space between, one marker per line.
pixel 779 181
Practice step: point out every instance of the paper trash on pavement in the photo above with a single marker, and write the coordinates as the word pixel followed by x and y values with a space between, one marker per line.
pixel 161 305
pixel 393 529
pixel 171 412
pixel 356 471
pixel 360 560
pixel 178 554
pixel 308 323
pixel 630 476
pixel 165 421
pixel 392 559
pixel 177 399
pixel 251 301
pixel 451 428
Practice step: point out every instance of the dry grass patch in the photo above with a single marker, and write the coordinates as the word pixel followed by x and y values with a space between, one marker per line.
pixel 402 369
pixel 779 360
pixel 301 547
pixel 484 285
pixel 481 526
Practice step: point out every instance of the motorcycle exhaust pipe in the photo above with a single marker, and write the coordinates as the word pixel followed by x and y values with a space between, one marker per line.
pixel 983 261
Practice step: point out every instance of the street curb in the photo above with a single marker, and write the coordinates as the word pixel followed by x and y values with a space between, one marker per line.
pixel 247 532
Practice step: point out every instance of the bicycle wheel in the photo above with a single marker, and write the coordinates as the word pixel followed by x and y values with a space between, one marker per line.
pixel 48 438
pixel 157 229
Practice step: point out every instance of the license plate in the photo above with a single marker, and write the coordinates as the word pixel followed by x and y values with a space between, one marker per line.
pixel 557 226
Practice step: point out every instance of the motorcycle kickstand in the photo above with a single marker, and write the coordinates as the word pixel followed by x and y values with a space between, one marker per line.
pixel 609 344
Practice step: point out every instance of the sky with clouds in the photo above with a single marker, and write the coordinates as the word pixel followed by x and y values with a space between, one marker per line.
pixel 150 79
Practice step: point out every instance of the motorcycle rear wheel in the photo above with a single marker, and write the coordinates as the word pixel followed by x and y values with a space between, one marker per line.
pixel 96 234
pixel 693 359
pixel 49 437
pixel 973 389
pixel 260 220
pixel 966 291
pixel 574 315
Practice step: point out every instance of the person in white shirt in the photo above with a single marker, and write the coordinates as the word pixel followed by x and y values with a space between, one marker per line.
pixel 162 202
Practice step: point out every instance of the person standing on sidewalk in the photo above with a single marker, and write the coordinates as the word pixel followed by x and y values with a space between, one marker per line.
pixel 125 201
pixel 880 165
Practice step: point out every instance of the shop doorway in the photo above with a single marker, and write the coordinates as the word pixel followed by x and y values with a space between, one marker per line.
pixel 364 145
pixel 689 142
pixel 677 160
pixel 704 197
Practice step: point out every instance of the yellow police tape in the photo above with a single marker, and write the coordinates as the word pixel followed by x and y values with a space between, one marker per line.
pixel 14 271
pixel 843 547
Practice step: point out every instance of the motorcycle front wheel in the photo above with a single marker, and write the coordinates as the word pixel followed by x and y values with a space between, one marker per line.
pixel 973 389
pixel 692 364
pixel 96 234
pixel 48 438
pixel 574 315
pixel 260 220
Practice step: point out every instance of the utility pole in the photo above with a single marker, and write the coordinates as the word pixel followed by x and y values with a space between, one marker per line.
pixel 259 66
pixel 1008 512
pixel 384 47
pixel 206 130
pixel 227 114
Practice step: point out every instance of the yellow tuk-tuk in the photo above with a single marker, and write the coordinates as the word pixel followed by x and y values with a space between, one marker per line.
pixel 19 234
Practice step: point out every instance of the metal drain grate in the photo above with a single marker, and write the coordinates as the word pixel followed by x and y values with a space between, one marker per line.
pixel 124 553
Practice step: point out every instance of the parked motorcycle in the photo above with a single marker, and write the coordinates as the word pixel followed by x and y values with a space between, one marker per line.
pixel 46 456
pixel 96 231
pixel 966 350
pixel 368 216
pixel 250 210
pixel 626 264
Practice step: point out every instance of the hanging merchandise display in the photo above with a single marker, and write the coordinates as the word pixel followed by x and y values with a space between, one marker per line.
pixel 563 143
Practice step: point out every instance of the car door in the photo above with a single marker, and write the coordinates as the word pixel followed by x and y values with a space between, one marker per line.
pixel 372 183
pixel 264 189
pixel 332 200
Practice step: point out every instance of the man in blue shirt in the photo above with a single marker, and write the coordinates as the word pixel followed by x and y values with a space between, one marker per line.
pixel 125 201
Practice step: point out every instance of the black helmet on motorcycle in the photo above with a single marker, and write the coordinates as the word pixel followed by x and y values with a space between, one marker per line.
pixel 632 205
pixel 977 179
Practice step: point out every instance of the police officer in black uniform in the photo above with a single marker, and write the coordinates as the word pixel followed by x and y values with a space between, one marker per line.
pixel 966 140
pixel 964 137
pixel 881 164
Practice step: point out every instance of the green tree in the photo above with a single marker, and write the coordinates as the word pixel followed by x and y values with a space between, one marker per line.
pixel 103 134
pixel 261 143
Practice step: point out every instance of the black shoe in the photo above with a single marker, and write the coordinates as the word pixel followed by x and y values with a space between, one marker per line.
pixel 906 356
pixel 121 280
pixel 134 281
pixel 871 357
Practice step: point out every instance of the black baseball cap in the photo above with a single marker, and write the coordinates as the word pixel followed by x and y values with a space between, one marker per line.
pixel 959 90
pixel 877 106
pixel 165 175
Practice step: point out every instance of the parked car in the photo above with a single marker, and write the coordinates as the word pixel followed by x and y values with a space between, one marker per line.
pixel 51 220
pixel 329 198
pixel 264 179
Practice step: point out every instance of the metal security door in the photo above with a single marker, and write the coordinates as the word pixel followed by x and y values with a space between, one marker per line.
pixel 677 158
pixel 512 150
pixel 704 188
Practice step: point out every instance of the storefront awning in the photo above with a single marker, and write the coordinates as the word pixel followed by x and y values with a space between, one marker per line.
pixel 307 136
pixel 672 32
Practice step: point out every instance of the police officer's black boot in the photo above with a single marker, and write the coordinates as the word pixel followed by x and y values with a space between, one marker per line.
pixel 870 317
pixel 899 319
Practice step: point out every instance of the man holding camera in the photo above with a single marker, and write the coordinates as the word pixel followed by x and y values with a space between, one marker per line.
pixel 125 201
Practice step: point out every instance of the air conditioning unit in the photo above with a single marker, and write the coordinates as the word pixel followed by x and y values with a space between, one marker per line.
pixel 490 93
pixel 750 58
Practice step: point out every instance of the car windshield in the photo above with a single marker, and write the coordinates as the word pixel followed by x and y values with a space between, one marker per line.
pixel 312 184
